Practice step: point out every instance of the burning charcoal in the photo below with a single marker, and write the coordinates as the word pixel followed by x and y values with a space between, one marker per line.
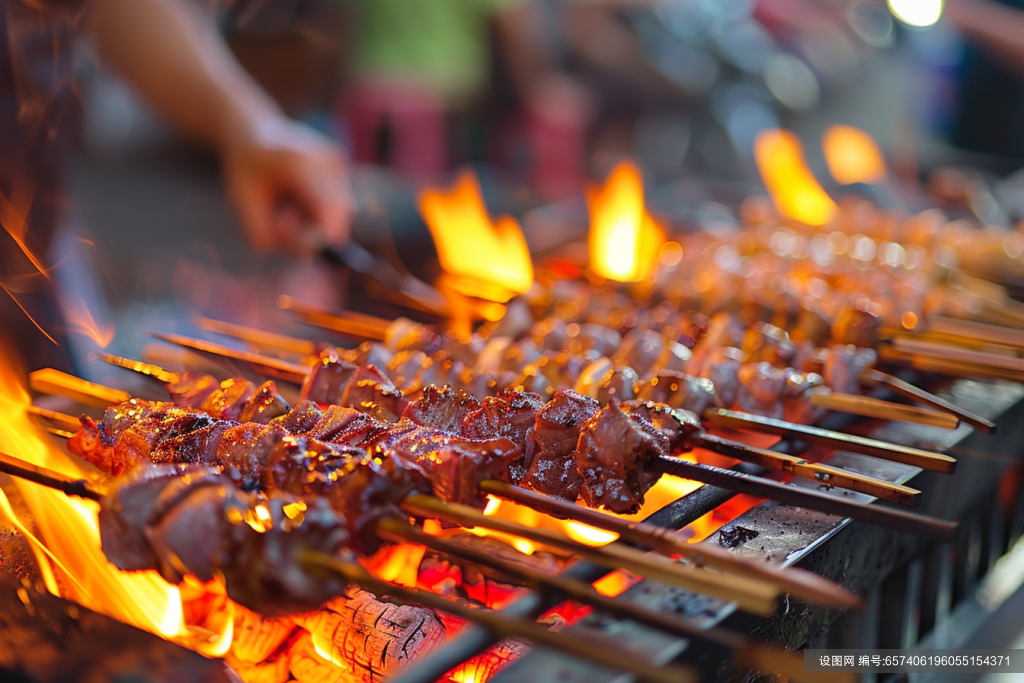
pixel 228 401
pixel 256 638
pixel 556 432
pixel 441 408
pixel 264 405
pixel 327 379
pixel 611 458
pixel 367 639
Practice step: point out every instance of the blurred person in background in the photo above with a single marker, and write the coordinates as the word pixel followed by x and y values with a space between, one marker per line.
pixel 989 113
pixel 421 72
pixel 281 176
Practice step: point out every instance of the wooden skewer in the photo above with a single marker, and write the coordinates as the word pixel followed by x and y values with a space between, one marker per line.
pixel 22 469
pixel 803 585
pixel 591 647
pixel 262 340
pixel 752 596
pixel 950 368
pixel 883 410
pixel 926 460
pixel 874 377
pixel 826 474
pixel 345 322
pixel 982 332
pixel 55 382
pixel 274 367
pixel 800 584
pixel 956 353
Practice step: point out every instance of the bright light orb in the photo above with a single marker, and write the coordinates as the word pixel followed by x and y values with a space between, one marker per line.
pixel 919 13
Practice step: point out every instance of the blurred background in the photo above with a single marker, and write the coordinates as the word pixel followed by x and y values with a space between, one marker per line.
pixel 542 97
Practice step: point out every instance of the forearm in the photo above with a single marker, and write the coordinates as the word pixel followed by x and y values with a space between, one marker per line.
pixel 171 53
pixel 998 29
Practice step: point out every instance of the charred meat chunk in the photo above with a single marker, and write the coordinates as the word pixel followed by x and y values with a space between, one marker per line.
pixel 370 391
pixel 190 389
pixel 511 415
pixel 556 432
pixel 674 424
pixel 679 391
pixel 228 401
pixel 611 458
pixel 327 379
pixel 244 452
pixel 264 405
pixel 300 419
pixel 441 408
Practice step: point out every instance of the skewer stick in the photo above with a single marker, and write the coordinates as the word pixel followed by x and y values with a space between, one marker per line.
pixel 800 584
pixel 826 474
pixel 345 322
pixel 803 585
pixel 956 353
pixel 752 596
pixel 893 518
pixel 926 460
pixel 54 382
pixel 262 340
pixel 952 368
pixel 593 647
pixel 63 421
pixel 275 367
pixel 874 377
pixel 23 469
pixel 975 331
pixel 883 410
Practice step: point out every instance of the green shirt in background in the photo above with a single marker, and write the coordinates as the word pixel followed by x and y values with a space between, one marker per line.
pixel 442 46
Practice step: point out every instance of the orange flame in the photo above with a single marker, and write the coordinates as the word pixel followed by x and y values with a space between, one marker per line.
pixel 624 239
pixel 852 156
pixel 79 319
pixel 795 191
pixel 489 259
pixel 70 531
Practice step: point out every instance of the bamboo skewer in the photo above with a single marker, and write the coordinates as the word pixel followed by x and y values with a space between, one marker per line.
pixel 803 585
pixel 956 353
pixel 874 377
pixel 800 584
pixel 867 406
pixel 346 322
pixel 826 474
pixel 274 367
pixel 612 654
pixel 262 340
pixel 927 460
pixel 49 381
pixel 975 331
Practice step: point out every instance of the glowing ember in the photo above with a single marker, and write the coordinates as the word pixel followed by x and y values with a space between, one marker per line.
pixel 624 240
pixel 852 156
pixel 489 259
pixel 795 191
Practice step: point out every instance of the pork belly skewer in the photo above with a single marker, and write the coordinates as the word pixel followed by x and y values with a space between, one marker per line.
pixel 799 584
pixel 188 521
pixel 600 380
pixel 265 457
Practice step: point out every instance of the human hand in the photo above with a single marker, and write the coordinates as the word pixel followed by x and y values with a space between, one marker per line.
pixel 289 185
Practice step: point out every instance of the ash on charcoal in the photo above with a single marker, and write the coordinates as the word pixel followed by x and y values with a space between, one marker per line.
pixel 736 536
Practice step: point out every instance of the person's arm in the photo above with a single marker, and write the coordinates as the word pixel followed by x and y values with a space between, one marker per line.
pixel 281 175
pixel 998 29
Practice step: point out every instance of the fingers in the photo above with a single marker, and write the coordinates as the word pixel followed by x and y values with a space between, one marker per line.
pixel 255 210
pixel 325 194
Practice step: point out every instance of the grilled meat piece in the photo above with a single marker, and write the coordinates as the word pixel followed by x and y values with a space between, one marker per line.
pixel 302 418
pixel 194 447
pixel 441 408
pixel 795 403
pixel 722 368
pixel 193 524
pixel 191 389
pixel 675 424
pixel 761 387
pixel 642 349
pixel 368 353
pixel 618 385
pixel 678 390
pixel 843 365
pixel 244 452
pixel 228 401
pixel 611 458
pixel 327 379
pixel 511 415
pixel 557 430
pixel 404 365
pixel 347 426
pixel 370 391
pixel 264 405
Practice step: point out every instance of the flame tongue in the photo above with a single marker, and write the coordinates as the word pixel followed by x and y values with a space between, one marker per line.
pixel 624 239
pixel 489 259
pixel 853 156
pixel 795 191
